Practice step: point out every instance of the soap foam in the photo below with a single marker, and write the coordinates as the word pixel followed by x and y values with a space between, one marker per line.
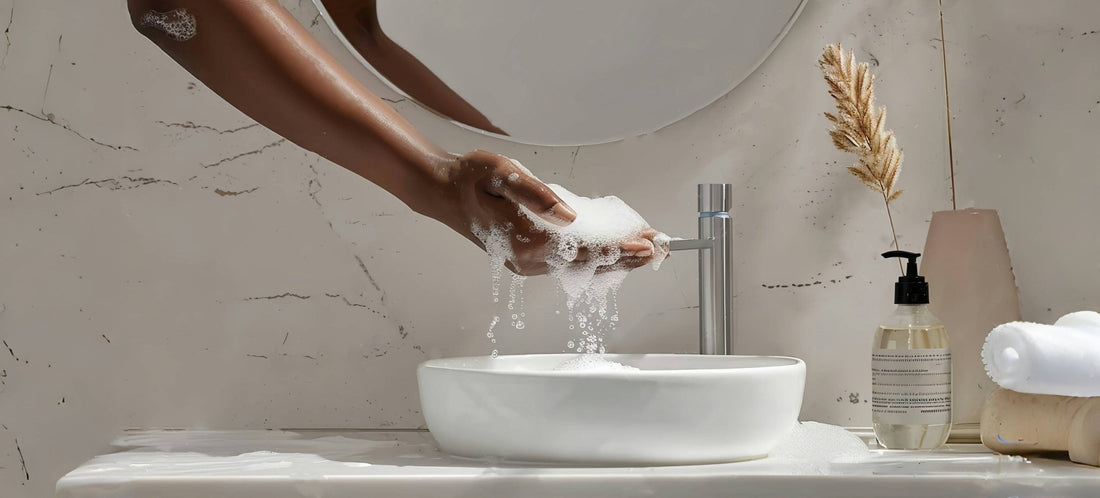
pixel 178 24
pixel 811 447
pixel 593 363
pixel 499 250
pixel 602 225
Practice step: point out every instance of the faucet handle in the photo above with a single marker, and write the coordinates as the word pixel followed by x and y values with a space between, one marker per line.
pixel 715 197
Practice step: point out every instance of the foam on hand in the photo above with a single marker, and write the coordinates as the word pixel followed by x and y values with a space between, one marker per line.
pixel 601 222
pixel 601 227
pixel 1061 359
pixel 590 284
pixel 178 24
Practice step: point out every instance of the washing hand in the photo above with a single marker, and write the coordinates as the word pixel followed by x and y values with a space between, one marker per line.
pixel 486 190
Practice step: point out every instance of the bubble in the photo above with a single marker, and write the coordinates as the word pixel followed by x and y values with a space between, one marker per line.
pixel 494 354
pixel 590 290
pixel 178 24
pixel 570 344
pixel 593 363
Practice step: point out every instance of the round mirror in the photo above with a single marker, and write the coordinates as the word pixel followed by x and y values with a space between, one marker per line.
pixel 562 72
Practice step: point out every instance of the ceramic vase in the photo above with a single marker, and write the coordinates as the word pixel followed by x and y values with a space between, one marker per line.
pixel 972 289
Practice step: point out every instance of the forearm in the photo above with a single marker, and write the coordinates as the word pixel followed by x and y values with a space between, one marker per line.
pixel 359 23
pixel 257 57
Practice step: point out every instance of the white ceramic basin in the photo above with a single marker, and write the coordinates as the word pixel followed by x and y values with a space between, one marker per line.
pixel 676 409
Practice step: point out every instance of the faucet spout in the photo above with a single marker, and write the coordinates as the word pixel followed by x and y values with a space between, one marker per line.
pixel 713 244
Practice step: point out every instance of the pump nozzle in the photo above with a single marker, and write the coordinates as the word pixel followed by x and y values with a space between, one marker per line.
pixel 910 288
pixel 911 266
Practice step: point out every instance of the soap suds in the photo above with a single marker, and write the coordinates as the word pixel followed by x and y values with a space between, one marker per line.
pixel 811 447
pixel 593 363
pixel 499 250
pixel 515 302
pixel 590 285
pixel 178 24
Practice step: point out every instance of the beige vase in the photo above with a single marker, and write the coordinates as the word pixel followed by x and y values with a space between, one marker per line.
pixel 971 289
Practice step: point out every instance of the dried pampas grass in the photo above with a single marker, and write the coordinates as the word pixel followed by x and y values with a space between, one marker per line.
pixel 859 127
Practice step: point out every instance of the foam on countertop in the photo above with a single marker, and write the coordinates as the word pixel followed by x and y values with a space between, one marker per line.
pixel 811 447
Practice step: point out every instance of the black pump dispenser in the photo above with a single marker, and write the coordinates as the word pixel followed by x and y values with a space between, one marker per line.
pixel 910 288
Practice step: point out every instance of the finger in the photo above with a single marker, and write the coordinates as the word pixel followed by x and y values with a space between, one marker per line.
pixel 534 195
pixel 586 253
pixel 528 269
pixel 625 263
pixel 637 247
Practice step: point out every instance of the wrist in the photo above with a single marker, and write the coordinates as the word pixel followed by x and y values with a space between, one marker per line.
pixel 431 190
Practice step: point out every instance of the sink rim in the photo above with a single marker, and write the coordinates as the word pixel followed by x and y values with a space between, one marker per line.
pixel 463 364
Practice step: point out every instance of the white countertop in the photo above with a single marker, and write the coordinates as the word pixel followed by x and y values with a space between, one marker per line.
pixel 275 464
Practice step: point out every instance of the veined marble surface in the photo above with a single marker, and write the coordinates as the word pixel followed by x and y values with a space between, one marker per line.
pixel 407 464
pixel 166 262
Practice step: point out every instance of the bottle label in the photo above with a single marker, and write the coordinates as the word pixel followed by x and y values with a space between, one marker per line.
pixel 911 387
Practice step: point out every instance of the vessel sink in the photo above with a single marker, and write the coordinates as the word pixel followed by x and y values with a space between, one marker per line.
pixel 660 409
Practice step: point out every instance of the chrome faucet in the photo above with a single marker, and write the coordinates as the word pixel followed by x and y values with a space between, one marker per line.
pixel 713 244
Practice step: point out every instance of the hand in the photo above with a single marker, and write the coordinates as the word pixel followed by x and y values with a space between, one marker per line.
pixel 487 190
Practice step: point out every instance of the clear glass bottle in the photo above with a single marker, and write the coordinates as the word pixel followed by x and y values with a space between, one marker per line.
pixel 911 370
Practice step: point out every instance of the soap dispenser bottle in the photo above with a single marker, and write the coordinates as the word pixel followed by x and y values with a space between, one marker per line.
pixel 911 369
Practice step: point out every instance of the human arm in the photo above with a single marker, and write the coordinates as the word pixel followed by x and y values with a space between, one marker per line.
pixel 358 21
pixel 256 56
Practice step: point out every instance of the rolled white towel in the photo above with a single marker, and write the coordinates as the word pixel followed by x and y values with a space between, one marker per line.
pixel 1061 359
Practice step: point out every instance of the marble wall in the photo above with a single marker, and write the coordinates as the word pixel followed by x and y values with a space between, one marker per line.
pixel 166 262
